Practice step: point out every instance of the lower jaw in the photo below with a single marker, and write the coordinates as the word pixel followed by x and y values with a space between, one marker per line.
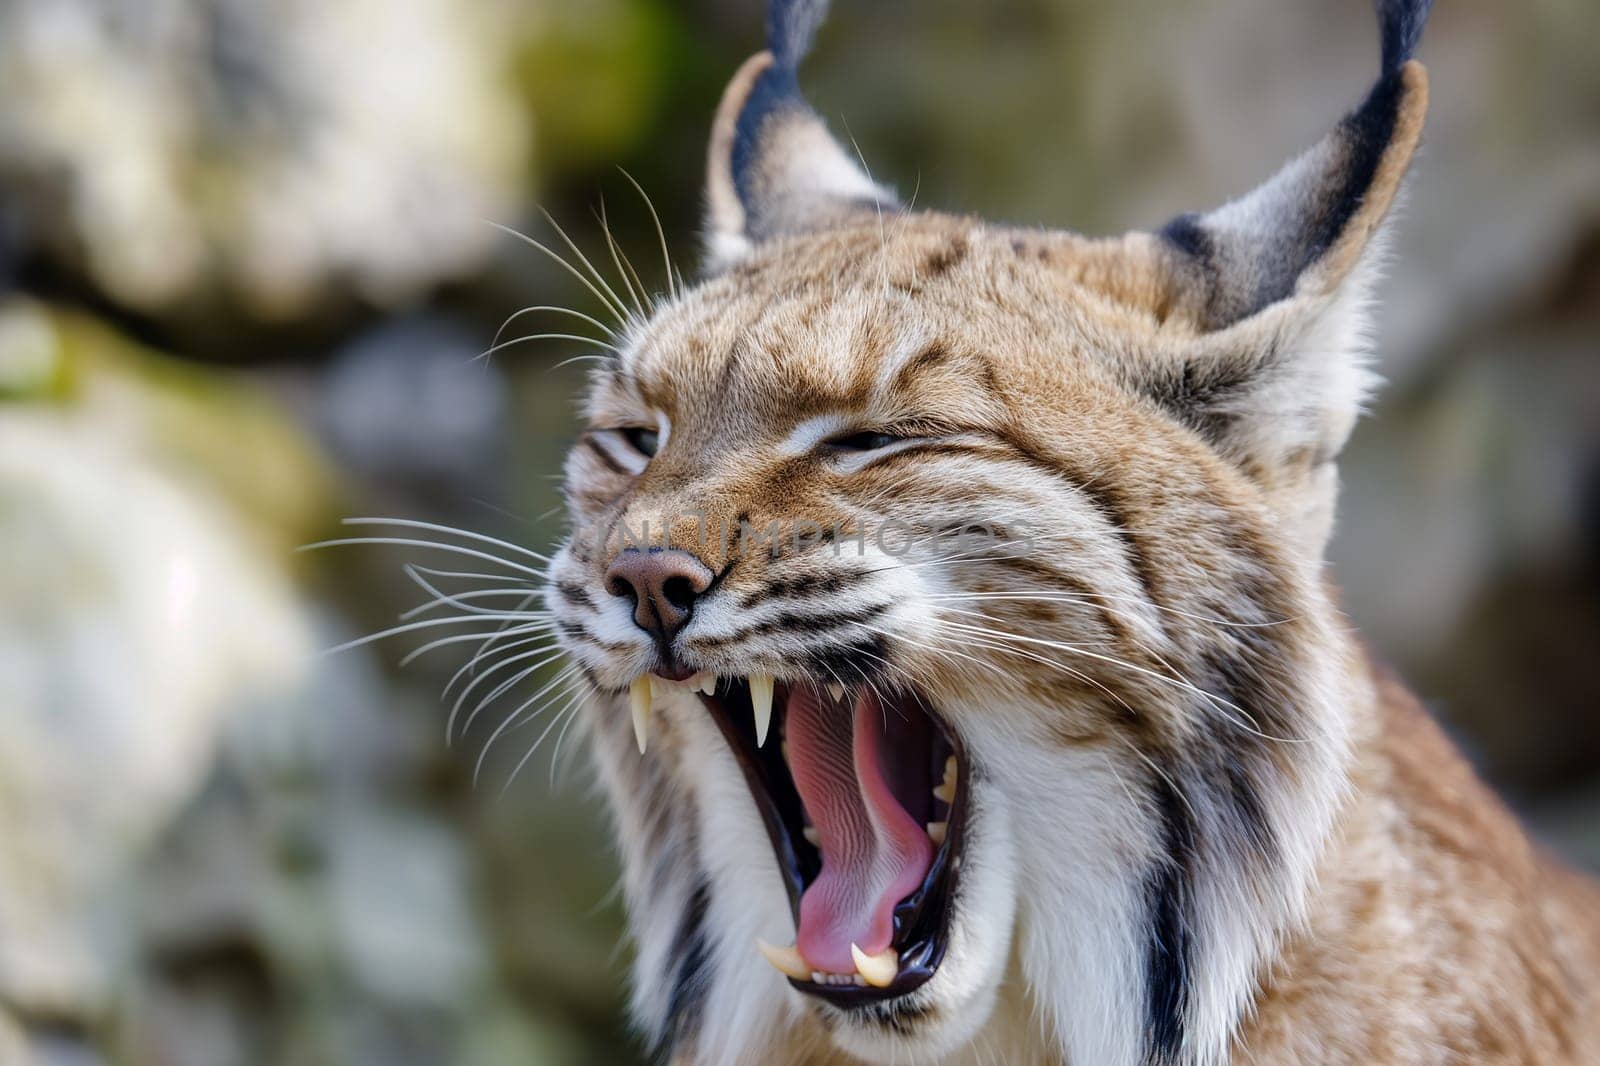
pixel 921 919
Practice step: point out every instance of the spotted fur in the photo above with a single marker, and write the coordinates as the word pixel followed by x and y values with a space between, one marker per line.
pixel 1205 827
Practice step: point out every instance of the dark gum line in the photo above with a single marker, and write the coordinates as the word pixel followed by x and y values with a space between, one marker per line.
pixel 921 920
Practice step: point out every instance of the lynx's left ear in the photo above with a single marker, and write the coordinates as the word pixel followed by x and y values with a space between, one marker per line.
pixel 1276 284
pixel 773 168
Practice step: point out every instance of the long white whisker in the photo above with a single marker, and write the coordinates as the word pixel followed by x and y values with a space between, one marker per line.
pixel 598 277
pixel 466 668
pixel 548 657
pixel 434 527
pixel 1081 601
pixel 394 631
pixel 513 342
pixel 618 312
pixel 661 235
pixel 634 293
pixel 406 542
pixel 1247 723
pixel 590 319
pixel 569 680
pixel 541 627
pixel 571 707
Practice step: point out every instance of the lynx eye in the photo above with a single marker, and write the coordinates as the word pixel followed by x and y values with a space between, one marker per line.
pixel 643 440
pixel 866 441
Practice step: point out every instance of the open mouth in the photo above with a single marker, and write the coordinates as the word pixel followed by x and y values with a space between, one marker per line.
pixel 863 797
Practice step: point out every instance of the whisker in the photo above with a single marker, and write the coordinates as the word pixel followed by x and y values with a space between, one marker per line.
pixel 500 689
pixel 569 679
pixel 590 319
pixel 619 313
pixel 413 523
pixel 395 631
pixel 1248 724
pixel 572 706
pixel 466 667
pixel 598 277
pixel 1065 598
pixel 464 575
pixel 541 628
pixel 513 342
pixel 661 235
pixel 406 542
pixel 634 293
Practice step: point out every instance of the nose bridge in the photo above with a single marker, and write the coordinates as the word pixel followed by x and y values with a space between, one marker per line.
pixel 699 515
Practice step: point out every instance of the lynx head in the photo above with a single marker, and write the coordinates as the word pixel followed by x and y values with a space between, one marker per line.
pixel 963 586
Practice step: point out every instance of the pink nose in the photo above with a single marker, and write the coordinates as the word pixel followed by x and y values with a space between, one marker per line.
pixel 663 585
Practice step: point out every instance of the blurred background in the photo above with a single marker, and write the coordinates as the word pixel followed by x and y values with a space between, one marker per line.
pixel 246 265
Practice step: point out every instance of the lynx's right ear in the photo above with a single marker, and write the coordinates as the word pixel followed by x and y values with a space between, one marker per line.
pixel 773 167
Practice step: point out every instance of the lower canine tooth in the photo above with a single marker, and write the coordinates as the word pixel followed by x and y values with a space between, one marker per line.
pixel 786 961
pixel 810 833
pixel 761 703
pixel 878 970
pixel 937 831
pixel 639 697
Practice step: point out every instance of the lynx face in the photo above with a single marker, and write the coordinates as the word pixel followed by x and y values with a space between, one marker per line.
pixel 960 586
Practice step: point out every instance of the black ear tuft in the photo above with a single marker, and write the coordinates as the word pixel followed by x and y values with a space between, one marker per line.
pixel 1401 22
pixel 791 27
pixel 773 168
pixel 1309 224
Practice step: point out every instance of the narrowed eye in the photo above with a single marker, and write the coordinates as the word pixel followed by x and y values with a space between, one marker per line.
pixel 644 441
pixel 865 441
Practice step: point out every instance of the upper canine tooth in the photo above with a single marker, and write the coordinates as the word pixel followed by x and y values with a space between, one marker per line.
pixel 786 961
pixel 761 703
pixel 836 690
pixel 878 970
pixel 708 684
pixel 639 697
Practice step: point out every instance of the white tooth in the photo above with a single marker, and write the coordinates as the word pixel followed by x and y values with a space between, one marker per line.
pixel 945 792
pixel 836 690
pixel 786 961
pixel 708 684
pixel 810 833
pixel 937 832
pixel 639 697
pixel 858 980
pixel 761 702
pixel 817 978
pixel 879 970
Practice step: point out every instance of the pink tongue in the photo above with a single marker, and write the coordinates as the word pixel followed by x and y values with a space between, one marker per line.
pixel 874 853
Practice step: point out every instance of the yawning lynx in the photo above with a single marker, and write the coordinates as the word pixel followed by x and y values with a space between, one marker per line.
pixel 967 680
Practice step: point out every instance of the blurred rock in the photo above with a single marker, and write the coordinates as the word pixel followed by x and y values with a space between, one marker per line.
pixel 413 404
pixel 139 608
pixel 275 155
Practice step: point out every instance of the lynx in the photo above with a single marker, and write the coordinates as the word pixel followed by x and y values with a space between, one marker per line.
pixel 965 675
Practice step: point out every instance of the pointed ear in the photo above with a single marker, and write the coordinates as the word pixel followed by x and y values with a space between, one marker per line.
pixel 1277 285
pixel 773 168
pixel 1304 231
